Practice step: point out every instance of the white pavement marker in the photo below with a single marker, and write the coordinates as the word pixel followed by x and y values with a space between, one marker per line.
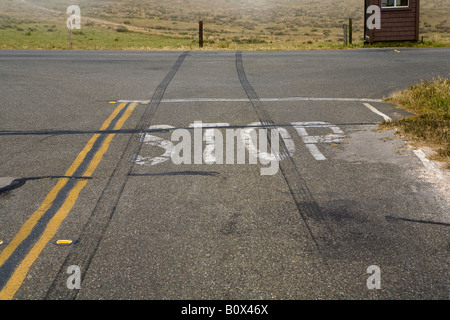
pixel 373 109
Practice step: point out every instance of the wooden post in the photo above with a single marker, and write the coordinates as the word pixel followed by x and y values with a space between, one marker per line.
pixel 345 34
pixel 200 34
pixel 350 31
pixel 70 35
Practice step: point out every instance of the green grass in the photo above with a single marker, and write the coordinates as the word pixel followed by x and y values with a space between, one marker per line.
pixel 430 102
pixel 51 36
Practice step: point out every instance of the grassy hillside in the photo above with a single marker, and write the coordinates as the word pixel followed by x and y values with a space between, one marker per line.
pixel 173 24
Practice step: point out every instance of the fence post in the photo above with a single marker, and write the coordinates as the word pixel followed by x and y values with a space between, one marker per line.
pixel 350 31
pixel 345 34
pixel 200 34
pixel 70 35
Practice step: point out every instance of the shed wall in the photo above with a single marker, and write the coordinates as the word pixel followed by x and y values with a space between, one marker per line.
pixel 397 24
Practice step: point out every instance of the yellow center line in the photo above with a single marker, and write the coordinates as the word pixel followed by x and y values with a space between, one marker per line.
pixel 28 226
pixel 20 273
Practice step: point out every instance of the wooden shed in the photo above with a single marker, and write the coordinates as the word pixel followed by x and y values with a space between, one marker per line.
pixel 399 21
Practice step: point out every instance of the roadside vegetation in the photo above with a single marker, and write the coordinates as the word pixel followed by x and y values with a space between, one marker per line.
pixel 229 24
pixel 429 101
pixel 30 34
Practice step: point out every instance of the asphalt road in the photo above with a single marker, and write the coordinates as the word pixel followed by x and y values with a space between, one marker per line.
pixel 87 138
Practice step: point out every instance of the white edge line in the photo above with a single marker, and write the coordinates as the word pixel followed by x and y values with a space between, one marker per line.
pixel 373 109
pixel 261 99
pixel 422 156
pixel 428 163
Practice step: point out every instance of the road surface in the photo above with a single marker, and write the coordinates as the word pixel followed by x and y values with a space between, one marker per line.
pixel 87 139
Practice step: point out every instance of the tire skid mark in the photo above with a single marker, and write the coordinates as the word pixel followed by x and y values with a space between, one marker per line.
pixel 36 232
pixel 319 230
pixel 94 229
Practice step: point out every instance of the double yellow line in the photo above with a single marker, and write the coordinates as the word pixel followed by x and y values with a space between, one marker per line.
pixel 17 278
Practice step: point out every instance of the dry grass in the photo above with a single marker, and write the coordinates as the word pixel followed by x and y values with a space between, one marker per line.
pixel 430 102
pixel 229 24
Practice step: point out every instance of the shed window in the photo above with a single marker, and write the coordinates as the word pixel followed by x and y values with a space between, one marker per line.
pixel 394 3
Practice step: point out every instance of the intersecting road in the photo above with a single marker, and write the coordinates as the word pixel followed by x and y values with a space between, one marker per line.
pixel 87 136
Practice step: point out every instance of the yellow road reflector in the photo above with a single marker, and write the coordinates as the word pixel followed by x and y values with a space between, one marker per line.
pixel 144 102
pixel 64 242
pixel 112 102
